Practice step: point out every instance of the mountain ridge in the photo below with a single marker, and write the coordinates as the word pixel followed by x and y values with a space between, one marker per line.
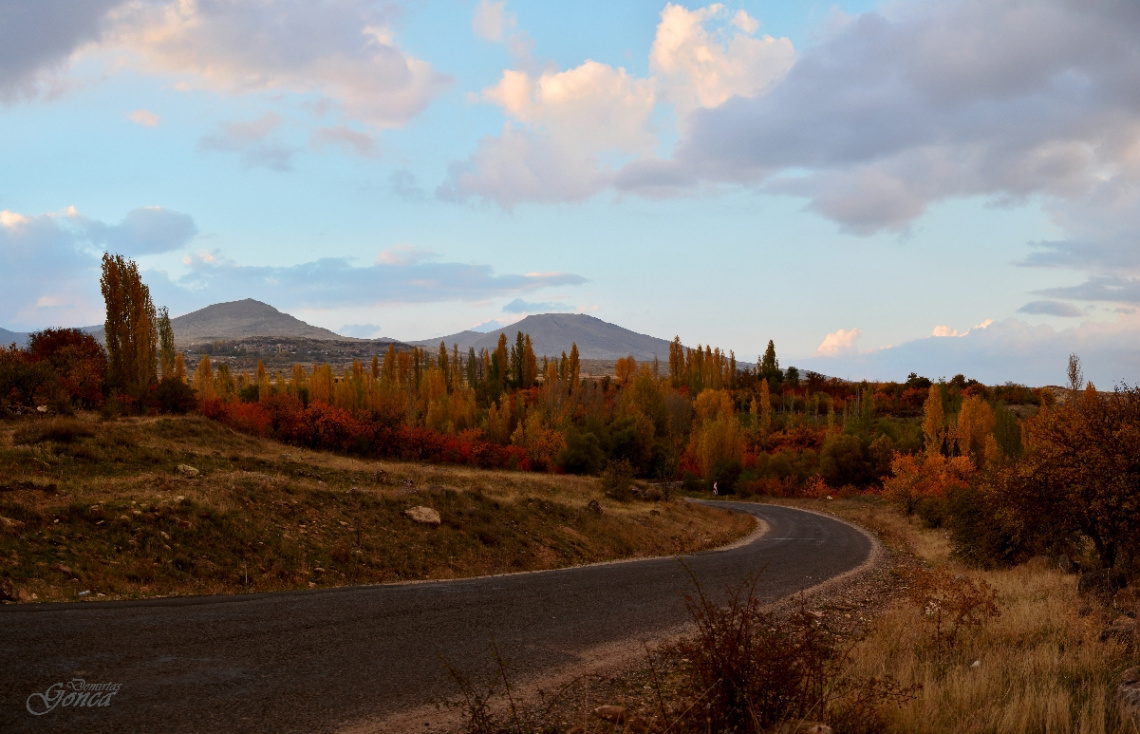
pixel 553 333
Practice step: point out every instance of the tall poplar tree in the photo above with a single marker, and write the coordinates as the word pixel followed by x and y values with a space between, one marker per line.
pixel 131 328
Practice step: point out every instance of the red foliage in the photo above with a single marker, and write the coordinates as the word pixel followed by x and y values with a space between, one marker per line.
pixel 244 417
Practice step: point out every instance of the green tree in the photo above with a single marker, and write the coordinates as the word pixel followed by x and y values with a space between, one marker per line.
pixel 769 368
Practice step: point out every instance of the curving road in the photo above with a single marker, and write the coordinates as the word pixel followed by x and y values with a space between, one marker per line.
pixel 312 661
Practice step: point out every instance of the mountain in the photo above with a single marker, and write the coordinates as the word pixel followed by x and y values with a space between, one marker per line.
pixel 239 319
pixel 7 337
pixel 553 333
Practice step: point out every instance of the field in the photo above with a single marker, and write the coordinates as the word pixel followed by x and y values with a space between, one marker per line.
pixel 139 507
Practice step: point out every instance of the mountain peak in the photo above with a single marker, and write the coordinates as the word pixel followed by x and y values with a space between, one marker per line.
pixel 554 333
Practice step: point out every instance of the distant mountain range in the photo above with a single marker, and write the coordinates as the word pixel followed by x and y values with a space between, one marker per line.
pixel 553 333
pixel 550 333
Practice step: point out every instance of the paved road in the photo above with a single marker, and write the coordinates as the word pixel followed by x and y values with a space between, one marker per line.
pixel 310 661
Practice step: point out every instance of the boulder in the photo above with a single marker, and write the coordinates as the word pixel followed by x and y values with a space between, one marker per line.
pixel 1123 628
pixel 1128 692
pixel 188 471
pixel 423 515
pixel 1097 582
pixel 616 714
pixel 802 727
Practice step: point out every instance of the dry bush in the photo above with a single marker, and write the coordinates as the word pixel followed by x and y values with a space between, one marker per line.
pixel 747 669
pixel 952 603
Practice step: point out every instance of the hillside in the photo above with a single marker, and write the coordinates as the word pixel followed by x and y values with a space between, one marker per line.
pixel 553 333
pixel 8 337
pixel 245 318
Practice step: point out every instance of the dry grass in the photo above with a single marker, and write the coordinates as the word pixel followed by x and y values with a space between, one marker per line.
pixel 1042 666
pixel 103 507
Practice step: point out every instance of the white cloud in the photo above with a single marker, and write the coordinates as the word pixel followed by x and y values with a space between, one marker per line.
pixel 1004 351
pixel 564 121
pixel 702 57
pixel 405 255
pixel 491 21
pixel 146 118
pixel 252 141
pixel 344 50
pixel 839 342
pixel 51 261
pixel 344 138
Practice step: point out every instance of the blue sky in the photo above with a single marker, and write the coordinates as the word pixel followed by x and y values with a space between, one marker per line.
pixel 941 186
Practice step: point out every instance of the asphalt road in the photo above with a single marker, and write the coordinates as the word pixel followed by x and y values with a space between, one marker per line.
pixel 312 661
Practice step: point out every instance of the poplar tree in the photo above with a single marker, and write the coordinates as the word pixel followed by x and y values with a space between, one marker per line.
pixel 165 344
pixel 131 328
pixel 573 367
pixel 529 363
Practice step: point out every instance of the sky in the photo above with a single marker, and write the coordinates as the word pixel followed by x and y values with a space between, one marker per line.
pixel 937 186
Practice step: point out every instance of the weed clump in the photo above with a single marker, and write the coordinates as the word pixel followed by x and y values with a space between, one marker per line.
pixel 747 670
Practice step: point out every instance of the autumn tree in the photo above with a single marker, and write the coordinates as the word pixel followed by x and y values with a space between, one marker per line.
pixel 131 328
pixel 933 420
pixel 529 363
pixel 769 367
pixel 165 344
pixel 1080 474
pixel 573 367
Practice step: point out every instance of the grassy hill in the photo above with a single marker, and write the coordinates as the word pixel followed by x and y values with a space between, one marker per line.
pixel 107 508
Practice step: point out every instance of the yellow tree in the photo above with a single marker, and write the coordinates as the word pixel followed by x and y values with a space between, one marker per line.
pixel 765 410
pixel 131 328
pixel 933 420
pixel 204 379
pixel 262 381
pixel 573 367
pixel 625 370
pixel 974 432
pixel 529 364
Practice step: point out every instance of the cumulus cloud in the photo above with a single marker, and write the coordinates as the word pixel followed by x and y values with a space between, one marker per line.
pixel 839 342
pixel 52 260
pixel 1008 350
pixel 701 60
pixel 520 306
pixel 921 102
pixel 344 50
pixel 1051 308
pixel 561 124
pixel 252 142
pixel 570 133
pixel 40 37
pixel 145 118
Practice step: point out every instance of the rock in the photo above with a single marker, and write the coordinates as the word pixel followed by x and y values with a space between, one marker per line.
pixel 802 727
pixel 423 515
pixel 1128 692
pixel 1097 582
pixel 1122 628
pixel 188 471
pixel 1127 600
pixel 594 507
pixel 22 596
pixel 616 714
pixel 63 569
pixel 9 524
